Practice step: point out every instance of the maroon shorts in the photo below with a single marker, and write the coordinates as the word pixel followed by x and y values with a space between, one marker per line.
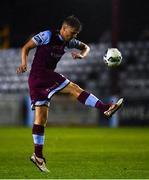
pixel 43 86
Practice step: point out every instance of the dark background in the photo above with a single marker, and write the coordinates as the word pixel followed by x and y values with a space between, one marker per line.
pixel 26 18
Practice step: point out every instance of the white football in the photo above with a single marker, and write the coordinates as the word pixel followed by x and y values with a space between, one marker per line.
pixel 113 57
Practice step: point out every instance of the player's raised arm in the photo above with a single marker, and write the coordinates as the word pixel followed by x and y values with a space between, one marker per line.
pixel 84 50
pixel 24 54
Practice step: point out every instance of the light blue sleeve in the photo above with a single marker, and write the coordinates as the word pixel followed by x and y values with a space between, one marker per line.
pixel 74 43
pixel 42 38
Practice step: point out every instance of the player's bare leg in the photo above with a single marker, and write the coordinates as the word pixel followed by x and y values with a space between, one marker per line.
pixel 72 89
pixel 41 115
pixel 90 100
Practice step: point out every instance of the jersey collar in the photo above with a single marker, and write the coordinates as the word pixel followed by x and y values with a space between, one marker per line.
pixel 60 37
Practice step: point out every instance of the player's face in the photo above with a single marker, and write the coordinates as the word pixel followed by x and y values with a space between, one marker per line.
pixel 68 32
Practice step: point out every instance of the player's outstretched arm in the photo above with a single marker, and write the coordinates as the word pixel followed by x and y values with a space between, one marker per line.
pixel 24 53
pixel 84 50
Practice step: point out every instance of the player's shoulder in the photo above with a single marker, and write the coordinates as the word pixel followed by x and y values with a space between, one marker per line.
pixel 42 37
pixel 45 34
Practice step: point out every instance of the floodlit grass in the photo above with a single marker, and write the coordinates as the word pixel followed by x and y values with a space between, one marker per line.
pixel 77 153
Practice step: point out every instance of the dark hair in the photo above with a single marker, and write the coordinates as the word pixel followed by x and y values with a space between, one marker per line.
pixel 73 22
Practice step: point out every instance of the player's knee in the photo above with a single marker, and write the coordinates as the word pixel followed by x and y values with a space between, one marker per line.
pixel 74 86
pixel 42 121
pixel 75 89
pixel 44 118
pixel 41 117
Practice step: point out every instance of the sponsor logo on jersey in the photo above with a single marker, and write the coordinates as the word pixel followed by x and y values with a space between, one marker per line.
pixel 56 55
pixel 57 47
pixel 57 51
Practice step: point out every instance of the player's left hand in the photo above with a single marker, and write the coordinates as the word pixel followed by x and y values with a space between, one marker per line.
pixel 76 55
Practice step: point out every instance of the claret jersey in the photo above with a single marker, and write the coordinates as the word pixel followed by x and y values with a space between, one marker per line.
pixel 50 49
pixel 43 81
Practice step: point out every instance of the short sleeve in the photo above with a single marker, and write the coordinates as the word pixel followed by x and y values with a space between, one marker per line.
pixel 74 43
pixel 42 38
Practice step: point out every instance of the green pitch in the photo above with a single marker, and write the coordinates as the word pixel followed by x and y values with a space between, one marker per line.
pixel 85 153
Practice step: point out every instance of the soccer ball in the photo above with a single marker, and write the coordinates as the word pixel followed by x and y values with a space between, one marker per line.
pixel 113 57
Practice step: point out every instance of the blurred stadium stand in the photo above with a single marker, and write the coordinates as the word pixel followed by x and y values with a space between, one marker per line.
pixel 91 74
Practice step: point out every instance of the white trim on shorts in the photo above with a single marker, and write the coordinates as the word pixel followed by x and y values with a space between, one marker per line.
pixel 61 86
pixel 40 103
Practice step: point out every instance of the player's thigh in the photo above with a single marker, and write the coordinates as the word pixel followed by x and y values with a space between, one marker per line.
pixel 41 115
pixel 73 89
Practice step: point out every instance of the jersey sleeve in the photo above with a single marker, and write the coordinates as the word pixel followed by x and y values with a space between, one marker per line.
pixel 74 43
pixel 42 38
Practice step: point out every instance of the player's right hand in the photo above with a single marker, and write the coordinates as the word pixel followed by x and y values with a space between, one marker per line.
pixel 21 69
pixel 76 55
